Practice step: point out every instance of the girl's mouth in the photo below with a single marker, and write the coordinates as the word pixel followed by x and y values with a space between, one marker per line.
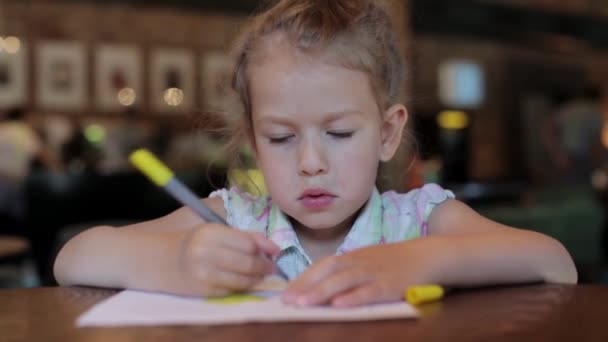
pixel 316 199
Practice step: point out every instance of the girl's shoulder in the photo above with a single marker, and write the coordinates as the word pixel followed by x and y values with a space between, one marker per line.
pixel 244 210
pixel 414 206
pixel 430 192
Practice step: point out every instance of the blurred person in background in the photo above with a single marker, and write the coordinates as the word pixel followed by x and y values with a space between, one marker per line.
pixel 572 135
pixel 20 147
pixel 78 153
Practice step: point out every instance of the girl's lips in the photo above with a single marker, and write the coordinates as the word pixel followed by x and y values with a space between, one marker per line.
pixel 316 199
pixel 317 202
pixel 316 192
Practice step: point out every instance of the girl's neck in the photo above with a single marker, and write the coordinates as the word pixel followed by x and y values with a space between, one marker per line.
pixel 327 234
pixel 319 243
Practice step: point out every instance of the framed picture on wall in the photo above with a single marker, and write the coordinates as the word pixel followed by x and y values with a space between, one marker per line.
pixel 118 82
pixel 172 80
pixel 13 78
pixel 62 79
pixel 215 76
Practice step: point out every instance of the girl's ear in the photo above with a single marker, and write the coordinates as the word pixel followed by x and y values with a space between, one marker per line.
pixel 395 119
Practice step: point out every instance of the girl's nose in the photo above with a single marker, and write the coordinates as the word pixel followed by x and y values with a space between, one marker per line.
pixel 311 159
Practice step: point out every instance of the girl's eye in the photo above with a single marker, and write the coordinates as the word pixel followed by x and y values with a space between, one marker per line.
pixel 346 134
pixel 280 139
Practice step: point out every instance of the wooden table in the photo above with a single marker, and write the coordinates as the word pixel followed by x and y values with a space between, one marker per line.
pixel 525 313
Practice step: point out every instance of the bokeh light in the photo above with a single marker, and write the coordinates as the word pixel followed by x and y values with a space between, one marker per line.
pixel 174 97
pixel 453 119
pixel 605 135
pixel 127 96
pixel 599 179
pixel 94 133
pixel 11 44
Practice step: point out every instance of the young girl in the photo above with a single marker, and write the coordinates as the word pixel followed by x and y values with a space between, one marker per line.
pixel 319 83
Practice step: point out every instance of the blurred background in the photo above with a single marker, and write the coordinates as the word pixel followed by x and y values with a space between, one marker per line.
pixel 508 100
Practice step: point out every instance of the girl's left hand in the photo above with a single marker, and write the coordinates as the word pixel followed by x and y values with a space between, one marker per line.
pixel 367 275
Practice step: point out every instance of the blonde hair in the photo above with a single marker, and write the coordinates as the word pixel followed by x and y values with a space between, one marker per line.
pixel 356 34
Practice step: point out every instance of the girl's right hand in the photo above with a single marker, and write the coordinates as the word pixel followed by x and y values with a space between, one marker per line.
pixel 214 260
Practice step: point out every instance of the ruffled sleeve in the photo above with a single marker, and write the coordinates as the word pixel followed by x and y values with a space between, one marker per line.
pixel 426 199
pixel 244 211
pixel 406 216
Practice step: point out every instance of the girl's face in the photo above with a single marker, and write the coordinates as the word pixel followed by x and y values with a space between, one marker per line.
pixel 319 137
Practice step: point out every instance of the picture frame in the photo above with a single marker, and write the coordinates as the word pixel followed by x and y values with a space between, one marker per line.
pixel 172 80
pixel 62 78
pixel 13 78
pixel 215 80
pixel 118 77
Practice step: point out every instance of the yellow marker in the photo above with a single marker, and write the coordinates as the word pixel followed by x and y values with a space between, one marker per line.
pixel 235 299
pixel 153 168
pixel 160 175
pixel 416 295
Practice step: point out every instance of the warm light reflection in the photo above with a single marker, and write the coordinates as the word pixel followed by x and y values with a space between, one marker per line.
pixel 127 96
pixel 173 97
pixel 599 179
pixel 12 44
pixel 453 119
pixel 605 135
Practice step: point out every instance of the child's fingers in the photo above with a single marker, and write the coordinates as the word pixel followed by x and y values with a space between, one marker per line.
pixel 313 276
pixel 246 242
pixel 368 294
pixel 236 240
pixel 239 262
pixel 332 286
pixel 265 245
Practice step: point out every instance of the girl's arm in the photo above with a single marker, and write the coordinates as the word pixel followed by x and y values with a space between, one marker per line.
pixel 118 258
pixel 178 253
pixel 464 249
pixel 107 256
pixel 468 249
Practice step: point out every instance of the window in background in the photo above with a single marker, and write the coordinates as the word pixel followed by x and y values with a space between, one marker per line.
pixel 461 84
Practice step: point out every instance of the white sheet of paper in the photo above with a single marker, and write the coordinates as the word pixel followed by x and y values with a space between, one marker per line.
pixel 129 308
